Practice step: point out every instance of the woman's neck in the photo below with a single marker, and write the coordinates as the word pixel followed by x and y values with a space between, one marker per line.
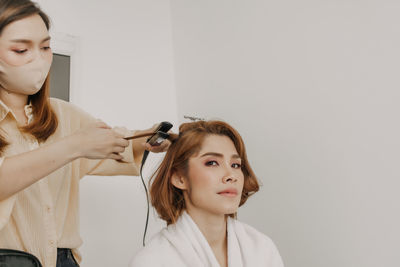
pixel 15 102
pixel 213 227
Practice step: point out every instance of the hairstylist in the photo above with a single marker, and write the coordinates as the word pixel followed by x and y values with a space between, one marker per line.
pixel 47 145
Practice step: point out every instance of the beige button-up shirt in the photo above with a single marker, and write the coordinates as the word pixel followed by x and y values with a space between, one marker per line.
pixel 45 216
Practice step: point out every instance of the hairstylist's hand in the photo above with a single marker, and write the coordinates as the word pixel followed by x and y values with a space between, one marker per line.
pixel 139 144
pixel 157 149
pixel 99 141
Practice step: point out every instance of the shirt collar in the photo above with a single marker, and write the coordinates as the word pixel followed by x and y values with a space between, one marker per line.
pixel 4 110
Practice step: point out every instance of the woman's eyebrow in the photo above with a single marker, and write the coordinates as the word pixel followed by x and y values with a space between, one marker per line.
pixel 27 41
pixel 236 156
pixel 212 154
pixel 219 155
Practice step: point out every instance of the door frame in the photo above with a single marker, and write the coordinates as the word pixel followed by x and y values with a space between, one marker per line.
pixel 67 45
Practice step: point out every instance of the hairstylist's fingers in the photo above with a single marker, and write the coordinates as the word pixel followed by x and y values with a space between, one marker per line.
pixel 115 156
pixel 118 149
pixel 118 136
pixel 147 146
pixel 157 149
pixel 121 142
pixel 101 124
pixel 123 132
pixel 165 145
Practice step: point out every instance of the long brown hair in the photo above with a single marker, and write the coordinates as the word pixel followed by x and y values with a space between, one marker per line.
pixel 45 121
pixel 167 199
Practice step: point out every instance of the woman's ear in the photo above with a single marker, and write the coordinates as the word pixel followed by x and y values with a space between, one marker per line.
pixel 178 181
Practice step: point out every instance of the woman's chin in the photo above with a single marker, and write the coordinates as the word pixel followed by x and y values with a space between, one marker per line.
pixel 227 210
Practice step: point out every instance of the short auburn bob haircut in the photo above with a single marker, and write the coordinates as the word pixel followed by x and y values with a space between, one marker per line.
pixel 166 198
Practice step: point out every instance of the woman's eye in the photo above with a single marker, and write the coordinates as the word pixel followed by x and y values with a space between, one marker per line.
pixel 20 51
pixel 236 165
pixel 46 48
pixel 211 163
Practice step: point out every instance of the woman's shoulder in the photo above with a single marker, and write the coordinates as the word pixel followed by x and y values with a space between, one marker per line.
pixel 258 246
pixel 67 110
pixel 250 231
pixel 65 106
pixel 253 237
pixel 158 245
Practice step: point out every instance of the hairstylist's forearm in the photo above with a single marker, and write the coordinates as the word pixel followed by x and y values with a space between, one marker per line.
pixel 96 141
pixel 22 170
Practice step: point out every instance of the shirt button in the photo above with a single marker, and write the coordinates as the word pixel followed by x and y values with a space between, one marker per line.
pixel 51 242
pixel 48 208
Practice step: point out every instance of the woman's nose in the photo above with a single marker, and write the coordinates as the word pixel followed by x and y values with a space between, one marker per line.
pixel 229 177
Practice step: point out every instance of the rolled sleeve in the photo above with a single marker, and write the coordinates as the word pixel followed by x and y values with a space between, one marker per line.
pixel 109 167
pixel 127 166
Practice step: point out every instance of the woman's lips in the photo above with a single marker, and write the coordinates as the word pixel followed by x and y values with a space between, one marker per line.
pixel 230 192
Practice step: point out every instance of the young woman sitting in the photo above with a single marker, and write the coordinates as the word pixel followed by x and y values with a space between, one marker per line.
pixel 203 179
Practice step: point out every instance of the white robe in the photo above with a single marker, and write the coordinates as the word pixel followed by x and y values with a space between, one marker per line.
pixel 183 245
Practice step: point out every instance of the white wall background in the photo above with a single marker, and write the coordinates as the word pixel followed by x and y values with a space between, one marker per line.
pixel 124 75
pixel 312 86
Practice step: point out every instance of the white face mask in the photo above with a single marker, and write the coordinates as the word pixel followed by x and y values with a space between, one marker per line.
pixel 26 79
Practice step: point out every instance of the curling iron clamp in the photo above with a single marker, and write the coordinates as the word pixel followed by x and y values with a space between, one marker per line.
pixel 157 136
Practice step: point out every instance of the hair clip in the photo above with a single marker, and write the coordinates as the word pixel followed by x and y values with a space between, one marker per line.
pixel 193 118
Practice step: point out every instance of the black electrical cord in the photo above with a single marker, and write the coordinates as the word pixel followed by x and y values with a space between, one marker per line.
pixel 159 135
pixel 145 154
